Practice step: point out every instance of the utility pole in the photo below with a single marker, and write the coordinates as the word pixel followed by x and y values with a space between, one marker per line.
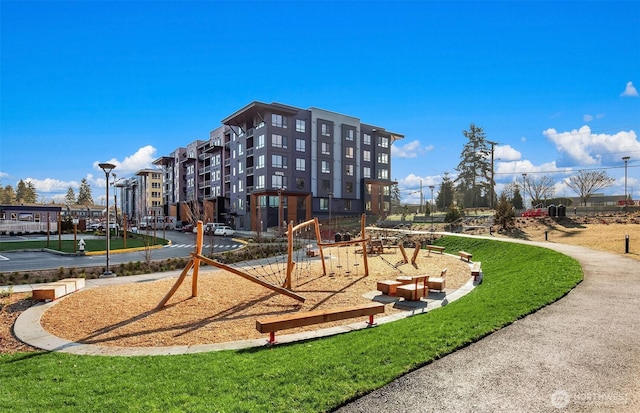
pixel 421 198
pixel 492 183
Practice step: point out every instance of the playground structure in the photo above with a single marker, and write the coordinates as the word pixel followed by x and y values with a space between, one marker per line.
pixel 275 273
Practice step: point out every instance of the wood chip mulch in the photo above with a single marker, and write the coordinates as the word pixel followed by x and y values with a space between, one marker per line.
pixel 227 305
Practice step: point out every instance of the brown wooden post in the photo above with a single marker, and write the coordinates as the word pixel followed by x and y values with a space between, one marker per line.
pixel 196 260
pixel 287 281
pixel 319 241
pixel 415 252
pixel 363 221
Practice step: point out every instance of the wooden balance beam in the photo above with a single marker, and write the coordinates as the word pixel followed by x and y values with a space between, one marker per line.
pixel 272 324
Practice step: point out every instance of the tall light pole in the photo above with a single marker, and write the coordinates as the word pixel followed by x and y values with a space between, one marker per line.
pixel 431 205
pixel 330 224
pixel 626 160
pixel 280 209
pixel 524 191
pixel 107 168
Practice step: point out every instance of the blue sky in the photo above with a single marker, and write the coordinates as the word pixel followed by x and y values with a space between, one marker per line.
pixel 555 84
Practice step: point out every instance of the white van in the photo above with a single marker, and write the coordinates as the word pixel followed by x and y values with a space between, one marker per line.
pixel 160 222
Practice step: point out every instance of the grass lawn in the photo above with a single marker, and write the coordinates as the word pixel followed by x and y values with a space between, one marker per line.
pixel 311 376
pixel 98 244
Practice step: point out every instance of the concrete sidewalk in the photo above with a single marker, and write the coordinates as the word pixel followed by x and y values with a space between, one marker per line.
pixel 581 353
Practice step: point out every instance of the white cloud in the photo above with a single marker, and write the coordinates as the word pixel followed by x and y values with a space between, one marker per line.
pixel 409 150
pixel 587 118
pixel 409 187
pixel 587 148
pixel 515 169
pixel 143 158
pixel 630 90
pixel 49 185
pixel 3 175
pixel 506 153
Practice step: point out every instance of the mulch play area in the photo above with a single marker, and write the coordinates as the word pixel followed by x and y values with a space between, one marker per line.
pixel 228 305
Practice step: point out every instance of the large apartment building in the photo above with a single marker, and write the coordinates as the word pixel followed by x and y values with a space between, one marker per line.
pixel 269 164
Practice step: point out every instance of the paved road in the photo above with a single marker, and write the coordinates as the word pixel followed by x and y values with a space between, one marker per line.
pixel 579 354
pixel 182 246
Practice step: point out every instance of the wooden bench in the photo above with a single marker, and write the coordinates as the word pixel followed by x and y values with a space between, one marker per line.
pixel 272 324
pixel 413 288
pixel 465 256
pixel 475 270
pixel 387 287
pixel 54 290
pixel 438 283
pixel 435 248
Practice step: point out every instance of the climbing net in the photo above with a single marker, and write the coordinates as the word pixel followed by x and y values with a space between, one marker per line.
pixel 276 272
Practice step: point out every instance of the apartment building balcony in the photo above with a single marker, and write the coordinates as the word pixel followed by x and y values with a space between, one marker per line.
pixel 249 170
pixel 227 162
pixel 204 184
pixel 249 152
pixel 204 170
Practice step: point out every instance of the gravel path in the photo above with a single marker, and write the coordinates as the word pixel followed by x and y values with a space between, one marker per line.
pixel 579 354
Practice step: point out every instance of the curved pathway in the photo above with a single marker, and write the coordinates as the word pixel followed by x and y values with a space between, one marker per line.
pixel 581 353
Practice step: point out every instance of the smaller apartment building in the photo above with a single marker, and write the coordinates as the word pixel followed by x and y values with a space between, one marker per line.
pixel 269 164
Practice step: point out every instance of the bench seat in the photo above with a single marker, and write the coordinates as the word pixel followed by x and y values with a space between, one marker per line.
pixel 387 287
pixel 57 289
pixel 272 324
pixel 435 248
pixel 465 256
pixel 438 283
pixel 476 270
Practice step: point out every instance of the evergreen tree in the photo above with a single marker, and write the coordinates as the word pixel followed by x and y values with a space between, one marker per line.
pixel 474 169
pixel 516 200
pixel 21 192
pixel 453 214
pixel 31 194
pixel 505 214
pixel 70 198
pixel 445 194
pixel 84 193
pixel 7 195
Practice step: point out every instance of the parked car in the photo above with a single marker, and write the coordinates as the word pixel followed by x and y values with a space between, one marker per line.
pixel 187 228
pixel 225 231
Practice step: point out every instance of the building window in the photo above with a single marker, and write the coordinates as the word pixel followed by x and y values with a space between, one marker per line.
pixel 300 164
pixel 300 125
pixel 368 188
pixel 349 134
pixel 348 187
pixel 240 204
pixel 240 185
pixel 278 141
pixel 300 145
pixel 366 172
pixel 325 148
pixel 348 170
pixel 324 130
pixel 260 182
pixel 383 173
pixel 325 167
pixel 278 120
pixel 366 139
pixel 383 158
pixel 347 205
pixel 300 183
pixel 260 143
pixel 240 149
pixel 260 162
pixel 324 204
pixel 367 206
pixel 239 167
pixel 326 185
pixel 366 156
pixel 383 141
pixel 278 181
pixel 279 161
pixel 348 151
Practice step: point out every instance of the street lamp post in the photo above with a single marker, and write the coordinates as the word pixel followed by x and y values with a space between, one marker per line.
pixel 330 223
pixel 431 205
pixel 626 160
pixel 107 168
pixel 524 191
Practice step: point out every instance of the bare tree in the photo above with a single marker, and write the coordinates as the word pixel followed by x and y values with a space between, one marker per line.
pixel 539 189
pixel 586 183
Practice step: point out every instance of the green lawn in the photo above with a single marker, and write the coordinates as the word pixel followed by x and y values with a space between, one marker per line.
pixel 99 244
pixel 311 376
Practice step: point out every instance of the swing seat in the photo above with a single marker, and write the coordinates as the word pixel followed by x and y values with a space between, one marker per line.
pixel 313 253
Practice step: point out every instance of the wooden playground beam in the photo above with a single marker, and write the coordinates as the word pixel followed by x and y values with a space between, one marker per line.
pixel 248 277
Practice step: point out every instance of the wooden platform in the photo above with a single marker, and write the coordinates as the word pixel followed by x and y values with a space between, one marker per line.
pixel 54 290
